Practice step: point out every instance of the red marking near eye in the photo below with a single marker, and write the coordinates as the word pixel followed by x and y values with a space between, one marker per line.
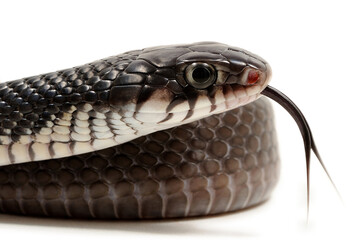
pixel 253 77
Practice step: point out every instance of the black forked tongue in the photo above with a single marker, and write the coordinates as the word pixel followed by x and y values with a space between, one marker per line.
pixel 304 127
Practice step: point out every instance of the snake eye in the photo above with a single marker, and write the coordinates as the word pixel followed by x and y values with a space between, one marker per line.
pixel 200 75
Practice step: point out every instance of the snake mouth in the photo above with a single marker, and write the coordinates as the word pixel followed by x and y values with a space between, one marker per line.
pixel 309 143
pixel 223 98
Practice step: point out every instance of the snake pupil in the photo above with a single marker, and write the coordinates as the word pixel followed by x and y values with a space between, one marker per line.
pixel 201 74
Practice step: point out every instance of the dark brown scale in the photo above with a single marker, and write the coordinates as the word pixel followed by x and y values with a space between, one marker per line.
pixel 83 89
pixel 52 109
pixel 111 75
pixel 41 123
pixel 77 83
pixel 2 104
pixel 93 80
pixel 16 102
pixel 47 116
pixel 166 73
pixel 154 80
pixel 4 91
pixel 33 98
pixel 65 73
pixel 20 87
pixel 10 97
pixel 75 98
pixel 43 89
pixel 90 96
pixel 130 79
pixel 163 57
pixel 147 178
pixel 42 103
pixel 210 47
pixel 102 85
pixel 6 123
pixel 57 80
pixel 19 130
pixel 104 72
pixel 103 96
pixel 140 66
pixel 6 110
pixel 15 116
pixel 32 117
pixel 99 66
pixel 25 107
pixel 129 93
pixel 66 90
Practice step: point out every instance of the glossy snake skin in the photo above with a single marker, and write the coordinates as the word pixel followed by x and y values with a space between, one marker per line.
pixel 135 136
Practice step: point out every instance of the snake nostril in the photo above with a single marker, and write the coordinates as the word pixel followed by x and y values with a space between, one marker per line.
pixel 253 77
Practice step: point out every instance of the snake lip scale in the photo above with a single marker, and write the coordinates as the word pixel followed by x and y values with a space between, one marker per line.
pixel 162 132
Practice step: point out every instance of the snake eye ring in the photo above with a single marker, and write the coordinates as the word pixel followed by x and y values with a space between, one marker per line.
pixel 200 75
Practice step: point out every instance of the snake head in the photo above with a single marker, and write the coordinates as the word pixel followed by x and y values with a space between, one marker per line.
pixel 182 83
pixel 229 76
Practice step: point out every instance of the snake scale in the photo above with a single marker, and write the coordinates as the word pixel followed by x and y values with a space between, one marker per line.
pixel 162 132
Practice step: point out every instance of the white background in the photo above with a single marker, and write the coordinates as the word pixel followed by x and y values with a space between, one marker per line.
pixel 313 48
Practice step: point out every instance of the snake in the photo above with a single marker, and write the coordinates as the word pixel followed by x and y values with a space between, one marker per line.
pixel 163 132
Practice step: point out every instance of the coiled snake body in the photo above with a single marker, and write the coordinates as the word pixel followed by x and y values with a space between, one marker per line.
pixel 153 133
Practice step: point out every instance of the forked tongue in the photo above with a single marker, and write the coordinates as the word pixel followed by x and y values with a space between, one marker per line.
pixel 305 130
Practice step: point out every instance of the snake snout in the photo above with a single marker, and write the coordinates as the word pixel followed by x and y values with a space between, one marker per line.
pixel 245 71
pixel 251 81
